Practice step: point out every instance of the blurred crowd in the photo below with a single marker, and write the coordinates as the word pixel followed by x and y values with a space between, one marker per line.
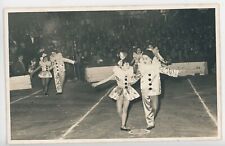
pixel 95 38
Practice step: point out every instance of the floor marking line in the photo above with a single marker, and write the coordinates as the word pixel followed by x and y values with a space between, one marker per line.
pixel 203 103
pixel 25 97
pixel 85 115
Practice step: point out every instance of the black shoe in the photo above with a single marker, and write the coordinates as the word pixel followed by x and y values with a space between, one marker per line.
pixel 150 127
pixel 124 129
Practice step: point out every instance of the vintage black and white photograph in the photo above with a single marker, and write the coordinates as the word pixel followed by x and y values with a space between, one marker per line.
pixel 132 73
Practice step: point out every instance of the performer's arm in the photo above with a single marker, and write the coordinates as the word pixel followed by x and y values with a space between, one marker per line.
pixel 31 74
pixel 51 67
pixel 169 72
pixel 161 58
pixel 133 60
pixel 103 81
pixel 135 78
pixel 155 51
pixel 68 60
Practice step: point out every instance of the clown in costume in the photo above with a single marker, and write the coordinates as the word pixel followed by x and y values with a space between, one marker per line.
pixel 59 70
pixel 123 93
pixel 150 70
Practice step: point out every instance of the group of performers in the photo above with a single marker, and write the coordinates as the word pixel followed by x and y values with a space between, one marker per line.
pixel 53 62
pixel 147 68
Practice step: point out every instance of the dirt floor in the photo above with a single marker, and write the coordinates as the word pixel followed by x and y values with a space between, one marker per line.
pixel 188 108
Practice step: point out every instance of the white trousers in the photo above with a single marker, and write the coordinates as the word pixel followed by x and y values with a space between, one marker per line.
pixel 150 104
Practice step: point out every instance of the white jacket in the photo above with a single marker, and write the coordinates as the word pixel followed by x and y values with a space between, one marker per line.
pixel 58 62
pixel 150 77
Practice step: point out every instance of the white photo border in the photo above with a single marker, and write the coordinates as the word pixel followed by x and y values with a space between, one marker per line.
pixel 113 8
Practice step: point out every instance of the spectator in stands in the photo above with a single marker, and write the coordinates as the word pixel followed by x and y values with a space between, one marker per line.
pixel 19 67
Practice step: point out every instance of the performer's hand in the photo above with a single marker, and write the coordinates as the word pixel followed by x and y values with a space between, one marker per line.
pixel 138 76
pixel 167 62
pixel 164 61
pixel 94 84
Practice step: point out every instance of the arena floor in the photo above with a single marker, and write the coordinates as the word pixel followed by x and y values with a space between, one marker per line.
pixel 188 109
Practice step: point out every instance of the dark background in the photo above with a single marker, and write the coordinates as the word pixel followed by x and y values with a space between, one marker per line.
pixel 181 35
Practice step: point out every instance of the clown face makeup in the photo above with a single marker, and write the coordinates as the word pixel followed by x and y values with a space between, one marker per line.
pixel 126 66
pixel 146 60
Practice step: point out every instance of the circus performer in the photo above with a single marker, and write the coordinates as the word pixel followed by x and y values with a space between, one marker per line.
pixel 59 69
pixel 150 68
pixel 45 74
pixel 123 93
pixel 122 56
pixel 136 58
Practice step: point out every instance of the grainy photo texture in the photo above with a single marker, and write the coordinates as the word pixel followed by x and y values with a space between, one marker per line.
pixel 112 74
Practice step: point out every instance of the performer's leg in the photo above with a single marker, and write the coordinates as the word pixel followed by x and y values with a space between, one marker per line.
pixel 135 68
pixel 149 115
pixel 124 112
pixel 62 79
pixel 57 82
pixel 46 85
pixel 44 80
pixel 43 84
pixel 155 104
pixel 119 105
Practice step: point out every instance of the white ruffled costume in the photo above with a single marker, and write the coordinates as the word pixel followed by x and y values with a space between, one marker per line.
pixel 124 78
pixel 45 68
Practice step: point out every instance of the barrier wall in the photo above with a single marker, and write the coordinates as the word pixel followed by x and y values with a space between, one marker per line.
pixel 20 82
pixel 94 74
pixel 191 68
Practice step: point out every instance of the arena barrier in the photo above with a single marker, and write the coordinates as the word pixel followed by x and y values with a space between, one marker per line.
pixel 20 82
pixel 94 74
pixel 191 68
